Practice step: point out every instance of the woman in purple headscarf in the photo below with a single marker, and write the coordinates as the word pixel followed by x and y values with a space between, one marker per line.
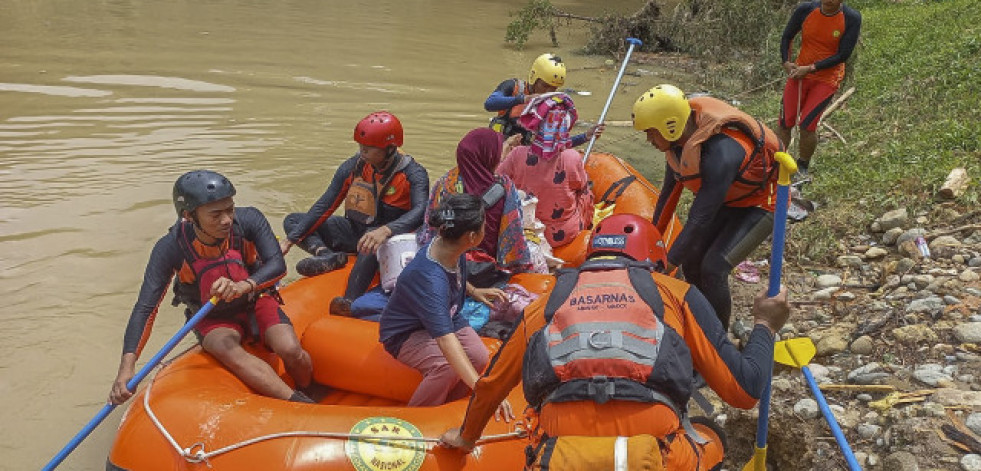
pixel 477 158
pixel 551 170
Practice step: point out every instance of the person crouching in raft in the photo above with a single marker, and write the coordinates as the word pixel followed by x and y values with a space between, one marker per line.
pixel 606 360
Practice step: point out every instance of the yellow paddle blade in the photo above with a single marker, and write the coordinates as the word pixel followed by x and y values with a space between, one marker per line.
pixel 758 462
pixel 795 352
pixel 601 211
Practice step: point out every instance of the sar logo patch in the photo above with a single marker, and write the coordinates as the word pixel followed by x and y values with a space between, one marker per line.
pixel 390 191
pixel 380 454
pixel 836 33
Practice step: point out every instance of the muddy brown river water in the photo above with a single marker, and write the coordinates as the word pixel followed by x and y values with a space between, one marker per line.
pixel 103 103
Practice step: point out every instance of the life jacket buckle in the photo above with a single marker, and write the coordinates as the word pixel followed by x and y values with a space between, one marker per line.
pixel 601 389
pixel 600 340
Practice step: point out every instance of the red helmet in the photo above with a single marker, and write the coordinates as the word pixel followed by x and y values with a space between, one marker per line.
pixel 379 129
pixel 630 235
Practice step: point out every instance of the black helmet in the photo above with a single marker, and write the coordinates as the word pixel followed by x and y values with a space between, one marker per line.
pixel 200 187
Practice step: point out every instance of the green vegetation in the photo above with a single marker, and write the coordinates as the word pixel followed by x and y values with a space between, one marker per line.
pixel 914 117
pixel 537 15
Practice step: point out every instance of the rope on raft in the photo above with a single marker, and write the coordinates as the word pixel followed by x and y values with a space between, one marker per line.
pixel 196 453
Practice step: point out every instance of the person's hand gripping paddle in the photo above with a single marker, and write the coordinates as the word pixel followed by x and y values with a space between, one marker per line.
pixel 787 168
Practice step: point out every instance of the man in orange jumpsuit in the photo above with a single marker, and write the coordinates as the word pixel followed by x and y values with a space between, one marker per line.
pixel 606 362
pixel 828 32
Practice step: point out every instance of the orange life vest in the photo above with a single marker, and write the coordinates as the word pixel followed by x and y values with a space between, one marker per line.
pixel 513 112
pixel 364 196
pixel 506 121
pixel 605 338
pixel 755 184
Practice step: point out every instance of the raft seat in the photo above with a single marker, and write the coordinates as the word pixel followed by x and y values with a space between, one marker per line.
pixel 347 355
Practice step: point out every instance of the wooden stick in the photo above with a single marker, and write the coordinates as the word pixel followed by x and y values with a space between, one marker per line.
pixel 834 105
pixel 858 387
pixel 969 227
pixel 835 132
pixel 751 90
pixel 965 217
pixel 562 14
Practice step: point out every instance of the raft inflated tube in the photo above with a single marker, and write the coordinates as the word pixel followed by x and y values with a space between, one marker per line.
pixel 367 370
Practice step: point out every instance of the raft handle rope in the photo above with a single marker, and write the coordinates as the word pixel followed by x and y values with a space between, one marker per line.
pixel 197 453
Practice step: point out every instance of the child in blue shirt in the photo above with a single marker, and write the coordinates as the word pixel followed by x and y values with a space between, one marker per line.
pixel 422 327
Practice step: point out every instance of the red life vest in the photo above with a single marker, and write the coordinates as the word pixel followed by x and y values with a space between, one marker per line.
pixel 755 183
pixel 605 338
pixel 231 265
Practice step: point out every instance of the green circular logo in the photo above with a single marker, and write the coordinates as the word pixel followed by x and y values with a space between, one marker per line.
pixel 380 454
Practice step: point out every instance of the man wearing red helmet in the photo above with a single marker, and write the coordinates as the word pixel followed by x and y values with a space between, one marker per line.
pixel 606 361
pixel 384 193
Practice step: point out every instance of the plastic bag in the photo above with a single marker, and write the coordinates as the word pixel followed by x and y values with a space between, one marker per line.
pixel 507 310
pixel 476 313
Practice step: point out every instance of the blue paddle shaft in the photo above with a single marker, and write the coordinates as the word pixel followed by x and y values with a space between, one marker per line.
pixel 131 385
pixel 779 239
pixel 776 267
pixel 763 423
pixel 633 42
pixel 829 417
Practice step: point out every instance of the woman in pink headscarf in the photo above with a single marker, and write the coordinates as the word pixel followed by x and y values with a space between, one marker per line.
pixel 551 170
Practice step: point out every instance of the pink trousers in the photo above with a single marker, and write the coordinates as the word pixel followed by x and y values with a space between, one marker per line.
pixel 440 383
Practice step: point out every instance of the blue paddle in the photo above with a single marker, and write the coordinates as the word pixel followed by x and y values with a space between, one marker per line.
pixel 633 43
pixel 798 353
pixel 131 385
pixel 787 168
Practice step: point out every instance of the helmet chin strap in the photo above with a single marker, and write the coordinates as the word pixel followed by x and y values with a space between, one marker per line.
pixel 389 159
pixel 197 227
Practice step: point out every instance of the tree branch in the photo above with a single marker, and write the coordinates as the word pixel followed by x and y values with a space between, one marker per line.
pixel 562 14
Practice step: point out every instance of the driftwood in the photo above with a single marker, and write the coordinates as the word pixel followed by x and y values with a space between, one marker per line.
pixel 858 387
pixel 956 230
pixel 950 397
pixel 835 104
pixel 958 435
pixel 968 216
pixel 955 184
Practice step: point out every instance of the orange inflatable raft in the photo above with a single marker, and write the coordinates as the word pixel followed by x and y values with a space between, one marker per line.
pixel 195 415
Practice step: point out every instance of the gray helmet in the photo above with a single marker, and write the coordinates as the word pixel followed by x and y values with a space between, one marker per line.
pixel 200 187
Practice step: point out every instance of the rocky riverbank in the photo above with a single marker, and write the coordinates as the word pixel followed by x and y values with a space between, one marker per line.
pixel 899 323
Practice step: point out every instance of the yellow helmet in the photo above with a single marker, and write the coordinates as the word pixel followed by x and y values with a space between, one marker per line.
pixel 549 68
pixel 664 108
